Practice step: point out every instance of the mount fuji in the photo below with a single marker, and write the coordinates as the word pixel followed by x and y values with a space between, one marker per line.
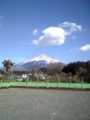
pixel 40 61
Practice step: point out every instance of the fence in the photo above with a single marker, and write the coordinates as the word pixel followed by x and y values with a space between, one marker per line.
pixel 48 82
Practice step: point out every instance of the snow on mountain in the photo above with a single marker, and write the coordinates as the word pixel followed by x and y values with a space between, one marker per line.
pixel 41 61
pixel 43 57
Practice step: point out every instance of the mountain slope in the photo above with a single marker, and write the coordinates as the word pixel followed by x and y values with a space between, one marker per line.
pixel 41 61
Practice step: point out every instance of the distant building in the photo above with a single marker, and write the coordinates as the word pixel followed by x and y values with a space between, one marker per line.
pixel 24 76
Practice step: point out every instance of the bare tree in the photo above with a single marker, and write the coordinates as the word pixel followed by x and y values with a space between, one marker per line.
pixel 54 69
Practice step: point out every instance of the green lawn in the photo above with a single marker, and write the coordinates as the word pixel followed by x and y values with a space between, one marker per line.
pixel 43 84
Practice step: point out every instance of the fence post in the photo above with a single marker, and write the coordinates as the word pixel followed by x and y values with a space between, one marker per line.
pixel 70 82
pixel 18 83
pixel 27 81
pixel 47 81
pixel 8 81
pixel 58 81
pixel 2 82
pixel 37 81
pixel 82 82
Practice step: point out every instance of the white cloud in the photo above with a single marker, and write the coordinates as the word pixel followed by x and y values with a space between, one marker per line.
pixel 52 36
pixel 75 50
pixel 73 27
pixel 85 47
pixel 56 35
pixel 35 32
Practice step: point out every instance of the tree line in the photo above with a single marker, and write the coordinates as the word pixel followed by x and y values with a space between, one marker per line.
pixel 78 68
pixel 74 68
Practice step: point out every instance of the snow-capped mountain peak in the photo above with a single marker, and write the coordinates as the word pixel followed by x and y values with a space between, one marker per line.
pixel 41 61
pixel 44 57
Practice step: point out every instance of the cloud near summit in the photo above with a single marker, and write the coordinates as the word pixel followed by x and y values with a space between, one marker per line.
pixel 56 35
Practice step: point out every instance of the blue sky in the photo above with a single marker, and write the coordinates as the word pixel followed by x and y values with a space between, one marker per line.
pixel 59 28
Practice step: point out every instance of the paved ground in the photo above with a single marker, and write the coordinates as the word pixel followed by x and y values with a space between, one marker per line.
pixel 37 104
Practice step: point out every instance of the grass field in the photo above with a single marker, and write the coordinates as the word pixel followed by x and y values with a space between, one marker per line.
pixel 43 84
